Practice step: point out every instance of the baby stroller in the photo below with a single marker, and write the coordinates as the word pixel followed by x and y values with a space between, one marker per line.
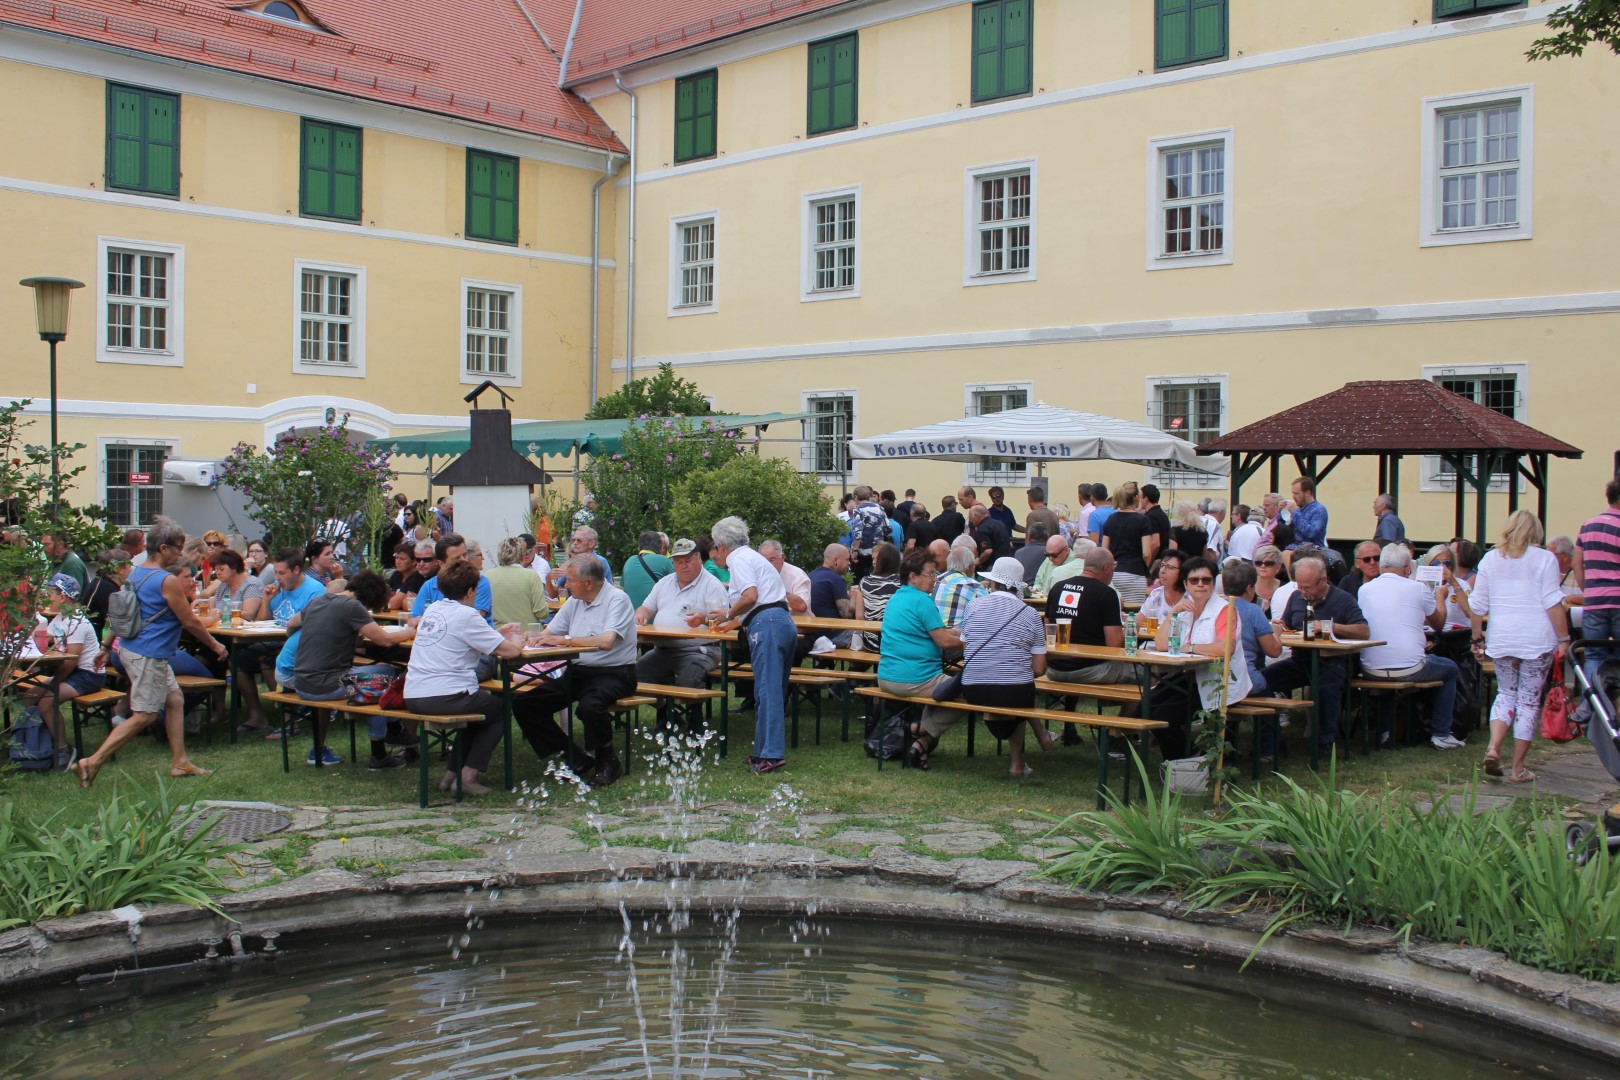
pixel 1604 699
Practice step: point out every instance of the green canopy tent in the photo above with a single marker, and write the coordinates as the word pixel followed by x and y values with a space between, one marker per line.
pixel 557 438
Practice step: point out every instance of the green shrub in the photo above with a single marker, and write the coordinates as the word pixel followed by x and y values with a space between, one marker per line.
pixel 1501 880
pixel 135 851
pixel 777 501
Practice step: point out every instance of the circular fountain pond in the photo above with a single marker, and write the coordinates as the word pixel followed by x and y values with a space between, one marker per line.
pixel 711 996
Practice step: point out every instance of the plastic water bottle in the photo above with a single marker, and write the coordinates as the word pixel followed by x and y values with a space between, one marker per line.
pixel 224 608
pixel 1175 634
pixel 1130 635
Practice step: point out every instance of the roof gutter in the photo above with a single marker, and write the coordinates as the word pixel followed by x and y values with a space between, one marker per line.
pixel 609 166
pixel 568 46
pixel 630 290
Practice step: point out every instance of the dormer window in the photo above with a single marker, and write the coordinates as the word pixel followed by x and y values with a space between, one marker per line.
pixel 287 11
pixel 279 10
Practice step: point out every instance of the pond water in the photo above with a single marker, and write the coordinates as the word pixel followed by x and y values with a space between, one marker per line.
pixel 752 998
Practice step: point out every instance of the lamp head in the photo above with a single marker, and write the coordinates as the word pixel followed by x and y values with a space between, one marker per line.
pixel 51 305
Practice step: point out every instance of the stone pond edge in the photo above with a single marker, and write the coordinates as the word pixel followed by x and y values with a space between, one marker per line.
pixel 889 884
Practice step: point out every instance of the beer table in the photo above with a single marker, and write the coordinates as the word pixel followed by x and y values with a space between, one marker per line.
pixel 1319 647
pixel 266 630
pixel 835 626
pixel 1146 660
pixel 701 635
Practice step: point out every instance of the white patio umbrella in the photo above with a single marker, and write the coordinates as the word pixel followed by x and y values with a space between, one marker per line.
pixel 1041 433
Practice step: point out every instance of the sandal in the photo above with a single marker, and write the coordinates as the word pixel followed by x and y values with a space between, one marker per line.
pixel 1523 776
pixel 917 755
pixel 1493 763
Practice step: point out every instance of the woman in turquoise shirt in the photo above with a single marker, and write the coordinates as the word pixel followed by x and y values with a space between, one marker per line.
pixel 914 640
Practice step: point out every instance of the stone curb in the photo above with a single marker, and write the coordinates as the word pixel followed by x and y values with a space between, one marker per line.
pixel 891 884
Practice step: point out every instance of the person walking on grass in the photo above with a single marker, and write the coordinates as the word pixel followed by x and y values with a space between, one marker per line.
pixel 165 611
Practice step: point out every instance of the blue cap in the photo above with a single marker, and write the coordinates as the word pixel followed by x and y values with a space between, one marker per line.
pixel 65 585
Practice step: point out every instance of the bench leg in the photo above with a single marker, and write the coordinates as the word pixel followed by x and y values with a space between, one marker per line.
pixel 422 765
pixel 972 720
pixel 286 737
pixel 1102 771
pixel 78 737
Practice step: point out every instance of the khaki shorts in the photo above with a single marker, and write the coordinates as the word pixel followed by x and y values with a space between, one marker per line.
pixel 151 681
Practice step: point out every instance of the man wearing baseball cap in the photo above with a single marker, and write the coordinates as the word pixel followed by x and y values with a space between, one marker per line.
pixel 680 600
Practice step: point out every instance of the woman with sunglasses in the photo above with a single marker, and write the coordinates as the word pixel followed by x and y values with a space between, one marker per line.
pixel 1271 586
pixel 1209 616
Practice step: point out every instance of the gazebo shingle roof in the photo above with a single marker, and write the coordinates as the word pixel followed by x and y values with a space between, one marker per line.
pixel 1389 417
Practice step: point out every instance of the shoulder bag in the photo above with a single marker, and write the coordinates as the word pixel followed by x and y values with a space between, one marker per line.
pixel 952 687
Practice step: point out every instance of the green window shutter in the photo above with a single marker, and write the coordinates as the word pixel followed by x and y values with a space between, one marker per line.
pixel 492 197
pixel 329 174
pixel 346 173
pixel 143 140
pixel 163 144
pixel 987 51
pixel 1189 32
pixel 831 100
pixel 695 116
pixel 1002 41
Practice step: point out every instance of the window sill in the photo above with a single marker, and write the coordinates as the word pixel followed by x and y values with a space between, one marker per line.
pixel 1005 278
pixel 175 195
pixel 133 356
pixel 340 371
pixel 853 293
pixel 693 309
pixel 475 378
pixel 1493 234
pixel 1179 262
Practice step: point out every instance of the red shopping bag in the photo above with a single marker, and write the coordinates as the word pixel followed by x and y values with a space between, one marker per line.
pixel 1558 711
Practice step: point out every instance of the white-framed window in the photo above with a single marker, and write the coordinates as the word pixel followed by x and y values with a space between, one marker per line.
pixel 693 280
pixel 1189 200
pixel 1499 387
pixel 1477 167
pixel 832 245
pixel 982 399
pixel 999 223
pixel 827 435
pixel 329 319
pixel 491 332
pixel 138 302
pixel 1191 407
pixel 131 478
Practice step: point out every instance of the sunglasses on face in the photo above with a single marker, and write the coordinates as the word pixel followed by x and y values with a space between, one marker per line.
pixel 214 543
pixel 1367 558
pixel 1200 581
pixel 421 560
pixel 1268 562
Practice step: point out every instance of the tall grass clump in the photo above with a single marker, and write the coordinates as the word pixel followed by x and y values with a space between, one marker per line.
pixel 1501 880
pixel 135 851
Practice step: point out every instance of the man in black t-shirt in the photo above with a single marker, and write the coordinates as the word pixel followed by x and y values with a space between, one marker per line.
pixel 948 524
pixel 1157 518
pixel 994 541
pixel 1093 606
pixel 919 530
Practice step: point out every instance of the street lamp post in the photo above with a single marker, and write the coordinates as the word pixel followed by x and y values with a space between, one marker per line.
pixel 51 297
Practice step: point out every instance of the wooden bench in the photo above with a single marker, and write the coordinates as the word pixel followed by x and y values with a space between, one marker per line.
pixel 815 678
pixel 439 727
pixel 1120 692
pixel 1263 710
pixel 96 703
pixel 198 684
pixel 1367 690
pixel 691 698
pixel 1102 726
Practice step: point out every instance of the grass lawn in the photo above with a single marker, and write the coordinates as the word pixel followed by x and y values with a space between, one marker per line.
pixel 832 777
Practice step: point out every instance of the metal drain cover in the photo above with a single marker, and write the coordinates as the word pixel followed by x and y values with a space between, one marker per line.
pixel 242 826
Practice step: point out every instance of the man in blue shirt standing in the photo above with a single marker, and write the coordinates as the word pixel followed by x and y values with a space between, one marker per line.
pixel 1310 518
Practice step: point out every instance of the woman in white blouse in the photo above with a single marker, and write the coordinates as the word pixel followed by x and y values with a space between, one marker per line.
pixel 1517 586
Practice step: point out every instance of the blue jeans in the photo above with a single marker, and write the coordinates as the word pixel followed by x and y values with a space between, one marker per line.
pixel 1442 699
pixel 1597 624
pixel 377 726
pixel 772 638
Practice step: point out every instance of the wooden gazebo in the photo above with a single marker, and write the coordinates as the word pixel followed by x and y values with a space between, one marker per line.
pixel 1389 420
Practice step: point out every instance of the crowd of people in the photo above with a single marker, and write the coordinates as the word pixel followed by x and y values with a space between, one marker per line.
pixel 944 588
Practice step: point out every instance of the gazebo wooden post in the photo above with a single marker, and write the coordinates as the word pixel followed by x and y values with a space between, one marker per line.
pixel 1460 493
pixel 1482 490
pixel 1276 472
pixel 1539 462
pixel 1394 488
pixel 1512 470
pixel 1383 473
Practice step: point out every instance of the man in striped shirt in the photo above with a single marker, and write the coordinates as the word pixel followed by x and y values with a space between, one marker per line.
pixel 1597 572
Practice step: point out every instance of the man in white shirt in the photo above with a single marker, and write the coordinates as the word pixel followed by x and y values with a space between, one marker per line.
pixel 680 600
pixel 1245 538
pixel 794 580
pixel 597 615
pixel 1397 608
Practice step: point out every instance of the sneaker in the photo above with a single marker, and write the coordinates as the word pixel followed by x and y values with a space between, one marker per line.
pixel 1384 739
pixel 1446 742
pixel 765 765
pixel 389 761
pixel 327 757
pixel 822 644
pixel 65 757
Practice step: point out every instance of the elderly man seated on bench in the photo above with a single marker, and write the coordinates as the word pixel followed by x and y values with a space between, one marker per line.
pixel 678 601
pixel 333 625
pixel 1397 609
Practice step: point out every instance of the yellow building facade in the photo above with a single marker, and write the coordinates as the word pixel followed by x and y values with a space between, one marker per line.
pixel 1185 212
pixel 264 256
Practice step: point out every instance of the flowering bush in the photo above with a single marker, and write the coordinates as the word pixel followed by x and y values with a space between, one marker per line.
pixel 634 487
pixel 307 478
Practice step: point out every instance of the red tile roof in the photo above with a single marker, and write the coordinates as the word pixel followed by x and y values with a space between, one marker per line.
pixel 617 33
pixel 1390 417
pixel 477 60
